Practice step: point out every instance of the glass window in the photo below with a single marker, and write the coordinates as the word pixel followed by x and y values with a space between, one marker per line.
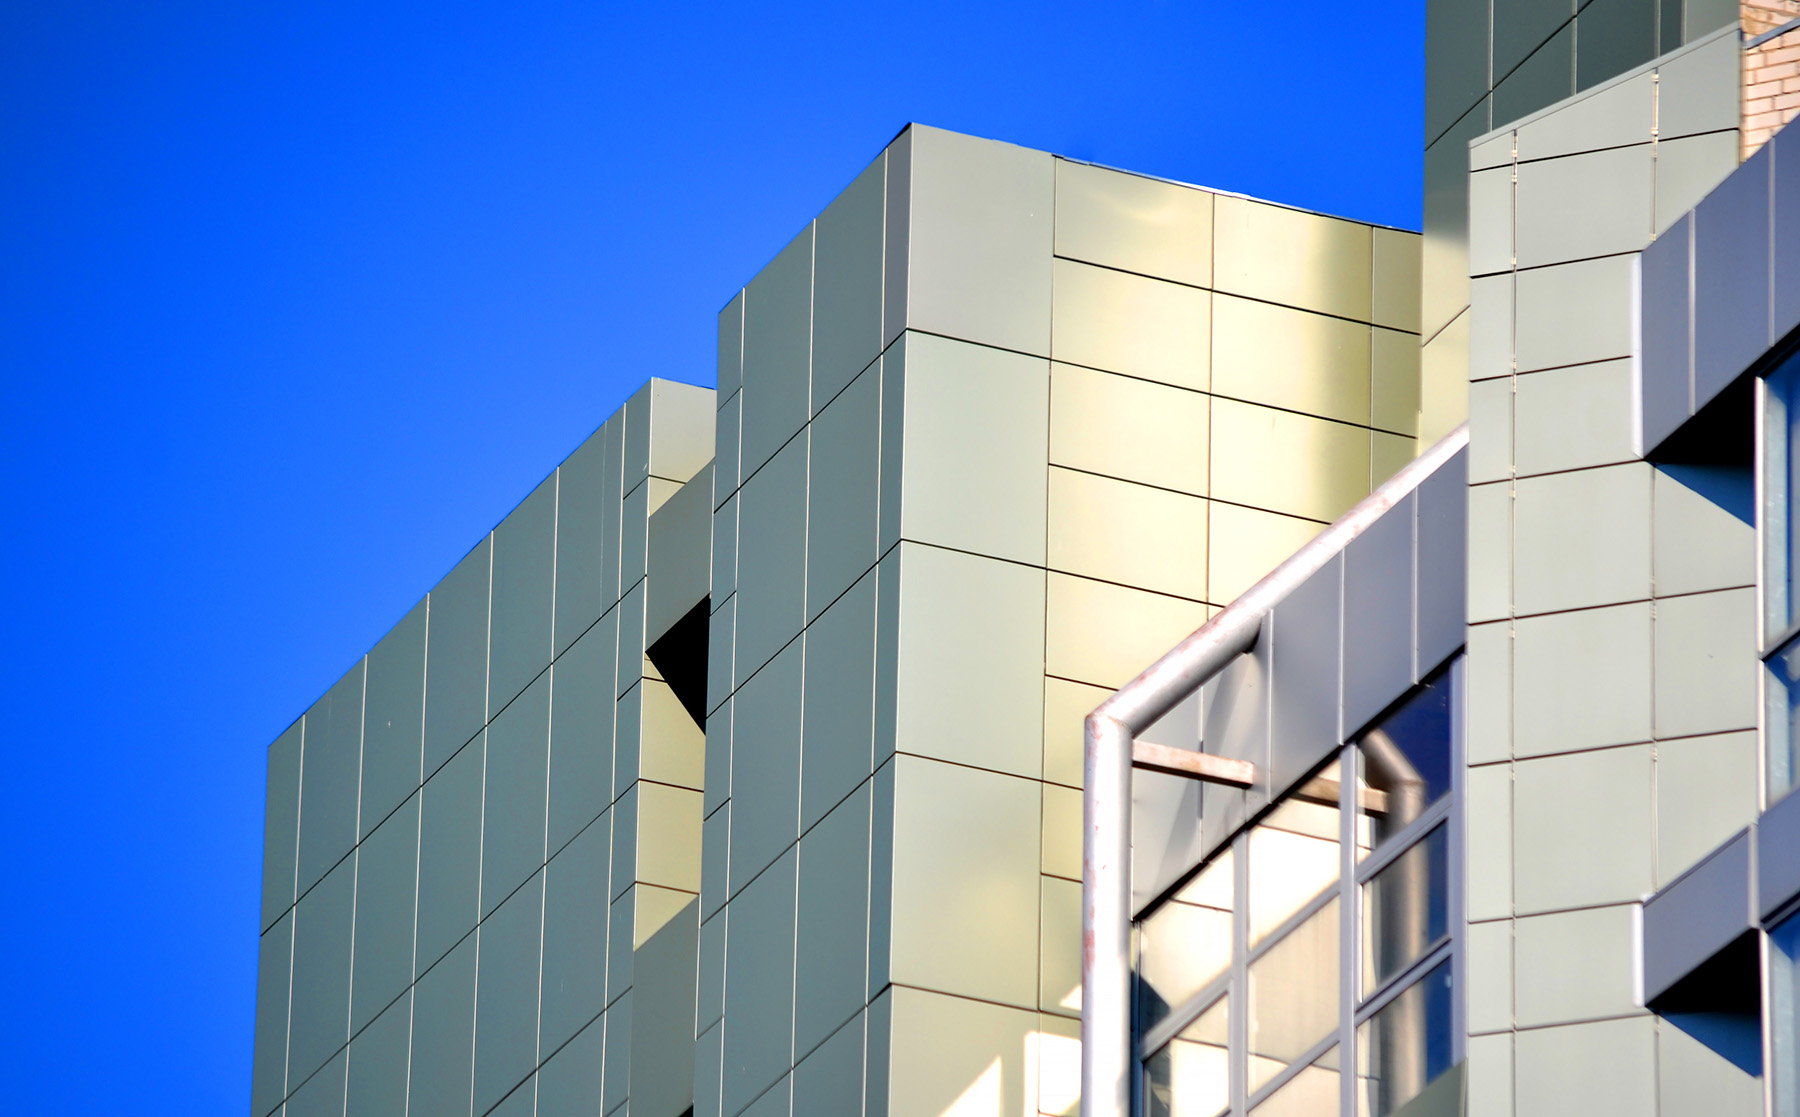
pixel 1406 761
pixel 1294 853
pixel 1784 1016
pixel 1312 1092
pixel 1405 909
pixel 1186 943
pixel 1294 995
pixel 1190 1076
pixel 1781 540
pixel 1405 1046
pixel 1783 720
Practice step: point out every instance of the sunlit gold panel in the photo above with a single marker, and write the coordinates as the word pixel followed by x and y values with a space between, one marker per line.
pixel 1291 358
pixel 1066 706
pixel 654 907
pixel 1121 532
pixel 1059 1061
pixel 1059 983
pixel 1292 257
pixel 1248 543
pixel 1135 223
pixel 1128 428
pixel 1394 380
pixel 1286 462
pixel 951 1055
pixel 1127 323
pixel 673 748
pixel 1061 845
pixel 1444 381
pixel 1105 634
pixel 1389 453
pixel 1398 256
pixel 668 842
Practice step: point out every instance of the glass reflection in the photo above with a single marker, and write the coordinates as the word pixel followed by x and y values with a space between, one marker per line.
pixel 1190 1077
pixel 1783 738
pixel 1406 760
pixel 1293 995
pixel 1311 1093
pixel 1404 1047
pixel 1294 853
pixel 1784 1017
pixel 1405 909
pixel 1185 943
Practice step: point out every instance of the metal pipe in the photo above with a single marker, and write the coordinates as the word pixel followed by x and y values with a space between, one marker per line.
pixel 1106 1056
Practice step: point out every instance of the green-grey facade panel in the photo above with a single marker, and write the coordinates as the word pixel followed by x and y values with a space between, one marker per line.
pixel 759 985
pixel 624 849
pixel 274 971
pixel 830 1079
pixel 506 994
pixel 575 935
pixel 1542 79
pixel 617 1073
pixel 731 348
pixel 618 962
pixel 569 1081
pixel 727 448
pixel 522 1102
pixel 634 537
pixel 895 236
pixel 839 733
pixel 1446 220
pixel 1613 36
pixel 1521 27
pixel 715 860
pixel 512 827
pixel 717 774
pixel 582 712
pixel 524 594
pixel 1701 17
pixel 612 511
pixel 721 654
pixel 387 874
pixel 394 719
pixel 777 352
pixel 680 555
pixel 322 1095
pixel 449 854
pixel 662 1019
pixel 580 539
pixel 771 558
pixel 320 1016
pixel 842 491
pixel 765 762
pixel 456 658
pixel 329 777
pixel 443 1044
pixel 378 1060
pixel 281 824
pixel 833 921
pixel 709 995
pixel 776 1101
pixel 1456 62
pixel 847 291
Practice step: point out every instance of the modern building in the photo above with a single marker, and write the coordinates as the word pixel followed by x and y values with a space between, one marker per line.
pixel 1434 768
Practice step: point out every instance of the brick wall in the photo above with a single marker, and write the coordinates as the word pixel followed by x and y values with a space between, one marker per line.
pixel 1771 89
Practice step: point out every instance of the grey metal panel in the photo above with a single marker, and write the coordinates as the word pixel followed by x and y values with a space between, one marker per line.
pixel 512 826
pixel 1698 915
pixel 1699 89
pixel 1445 247
pixel 378 1059
pixel 839 731
pixel 662 1020
pixel 638 421
pixel 522 1102
pixel 717 774
pixel 681 550
pixel 1544 78
pixel 709 996
pixel 1521 26
pixel 830 1079
pixel 1378 615
pixel 1621 114
pixel 1456 62
pixel 777 1101
pixel 319 1020
pixel 580 538
pixel 456 658
pixel 274 973
pixel 630 667
pixel 721 654
pixel 731 347
pixel 1304 688
pixel 506 994
pixel 1443 500
pixel 759 985
pixel 1236 708
pixel 444 1035
pixel 727 449
pixel 323 1094
pixel 1594 204
pixel 329 776
pixel 582 710
pixel 1785 237
pixel 1165 810
pixel 1573 313
pixel 881 879
pixel 847 294
pixel 1615 36
pixel 387 873
pixel 896 246
pixel 524 594
pixel 708 1067
pixel 624 851
pixel 449 854
pixel 771 557
pixel 281 824
pixel 777 351
pixel 765 766
pixel 1665 319
pixel 715 860
pixel 569 1081
pixel 724 551
pixel 634 535
pixel 842 491
pixel 393 719
pixel 1778 855
pixel 1731 277
pixel 833 921
pixel 612 509
pixel 575 934
pixel 618 1055
pixel 620 926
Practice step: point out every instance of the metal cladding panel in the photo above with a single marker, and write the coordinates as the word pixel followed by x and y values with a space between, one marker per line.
pixel 680 555
pixel 1165 809
pixel 1785 238
pixel 1442 541
pixel 1697 916
pixel 1304 695
pixel 1778 855
pixel 1236 711
pixel 1379 603
pixel 1731 277
pixel 1663 364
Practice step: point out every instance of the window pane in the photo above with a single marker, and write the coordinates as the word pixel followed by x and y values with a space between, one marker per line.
pixel 1294 995
pixel 1190 1076
pixel 1311 1093
pixel 1405 1046
pixel 1406 760
pixel 1783 694
pixel 1784 1016
pixel 1294 853
pixel 1405 909
pixel 1185 943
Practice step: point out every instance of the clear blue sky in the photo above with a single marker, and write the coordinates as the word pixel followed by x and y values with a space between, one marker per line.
pixel 297 300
